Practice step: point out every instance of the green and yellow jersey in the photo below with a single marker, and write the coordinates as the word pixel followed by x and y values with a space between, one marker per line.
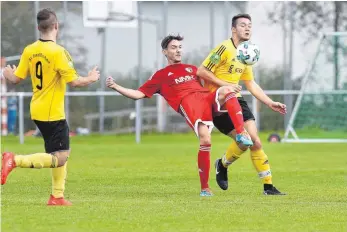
pixel 223 63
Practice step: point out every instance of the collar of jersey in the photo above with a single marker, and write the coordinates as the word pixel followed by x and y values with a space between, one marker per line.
pixel 46 40
pixel 231 39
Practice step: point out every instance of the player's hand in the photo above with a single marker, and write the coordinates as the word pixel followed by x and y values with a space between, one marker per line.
pixel 278 107
pixel 110 83
pixel 9 71
pixel 234 88
pixel 94 74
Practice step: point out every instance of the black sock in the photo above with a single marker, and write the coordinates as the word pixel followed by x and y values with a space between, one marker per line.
pixel 268 186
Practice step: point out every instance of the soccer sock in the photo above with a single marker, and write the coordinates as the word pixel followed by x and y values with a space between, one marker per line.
pixel 58 181
pixel 234 111
pixel 37 160
pixel 204 164
pixel 261 164
pixel 232 154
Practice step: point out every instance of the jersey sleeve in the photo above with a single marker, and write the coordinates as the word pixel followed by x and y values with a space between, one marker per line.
pixel 247 75
pixel 216 57
pixel 64 65
pixel 23 67
pixel 151 86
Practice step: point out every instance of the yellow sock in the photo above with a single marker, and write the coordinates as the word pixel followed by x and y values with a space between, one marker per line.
pixel 37 160
pixel 233 153
pixel 261 164
pixel 58 181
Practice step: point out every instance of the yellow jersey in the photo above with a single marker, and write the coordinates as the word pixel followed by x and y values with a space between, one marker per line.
pixel 50 67
pixel 223 63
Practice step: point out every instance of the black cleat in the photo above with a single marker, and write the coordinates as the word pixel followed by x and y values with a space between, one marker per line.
pixel 269 189
pixel 221 174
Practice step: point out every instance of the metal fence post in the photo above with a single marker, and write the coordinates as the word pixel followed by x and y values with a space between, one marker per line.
pixel 21 118
pixel 138 104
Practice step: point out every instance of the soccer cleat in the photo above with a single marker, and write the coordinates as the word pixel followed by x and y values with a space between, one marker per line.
pixel 58 201
pixel 8 164
pixel 206 193
pixel 221 174
pixel 244 138
pixel 272 190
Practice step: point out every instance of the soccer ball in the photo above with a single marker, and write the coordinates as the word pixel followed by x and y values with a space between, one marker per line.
pixel 247 53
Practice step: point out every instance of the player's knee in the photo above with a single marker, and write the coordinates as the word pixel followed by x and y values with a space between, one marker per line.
pixel 243 147
pixel 205 139
pixel 256 144
pixel 222 92
pixel 61 157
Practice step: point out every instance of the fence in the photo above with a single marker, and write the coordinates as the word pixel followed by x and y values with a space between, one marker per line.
pixel 150 112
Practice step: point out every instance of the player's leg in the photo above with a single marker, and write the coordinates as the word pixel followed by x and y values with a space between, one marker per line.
pixel 204 158
pixel 227 98
pixel 37 160
pixel 196 109
pixel 224 124
pixel 59 145
pixel 260 160
pixel 235 150
pixel 55 157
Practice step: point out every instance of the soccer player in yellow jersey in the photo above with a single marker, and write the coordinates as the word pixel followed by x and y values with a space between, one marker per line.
pixel 50 67
pixel 222 68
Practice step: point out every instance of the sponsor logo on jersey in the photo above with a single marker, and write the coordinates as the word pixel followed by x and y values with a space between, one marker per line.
pixel 184 79
pixel 215 58
pixel 190 70
pixel 239 70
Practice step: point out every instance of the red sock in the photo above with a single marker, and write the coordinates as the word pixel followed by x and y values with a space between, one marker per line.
pixel 204 164
pixel 234 111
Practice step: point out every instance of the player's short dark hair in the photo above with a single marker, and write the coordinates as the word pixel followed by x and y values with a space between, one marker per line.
pixel 165 42
pixel 46 18
pixel 239 16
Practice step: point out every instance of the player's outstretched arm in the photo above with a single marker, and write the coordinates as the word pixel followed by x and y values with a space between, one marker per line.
pixel 258 92
pixel 93 76
pixel 130 93
pixel 8 73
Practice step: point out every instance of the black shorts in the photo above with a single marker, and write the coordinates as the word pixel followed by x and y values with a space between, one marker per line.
pixel 223 122
pixel 55 134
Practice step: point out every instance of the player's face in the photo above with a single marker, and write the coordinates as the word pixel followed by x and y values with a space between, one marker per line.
pixel 174 51
pixel 243 29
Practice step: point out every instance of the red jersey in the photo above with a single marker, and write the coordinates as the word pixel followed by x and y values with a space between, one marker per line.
pixel 173 82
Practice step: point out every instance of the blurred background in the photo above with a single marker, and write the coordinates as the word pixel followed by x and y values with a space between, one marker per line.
pixel 289 35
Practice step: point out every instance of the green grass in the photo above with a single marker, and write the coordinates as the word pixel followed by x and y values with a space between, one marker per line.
pixel 316 133
pixel 116 185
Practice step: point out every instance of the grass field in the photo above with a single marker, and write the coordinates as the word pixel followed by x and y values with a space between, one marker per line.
pixel 116 185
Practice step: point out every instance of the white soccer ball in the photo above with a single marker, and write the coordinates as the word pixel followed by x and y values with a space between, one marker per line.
pixel 247 53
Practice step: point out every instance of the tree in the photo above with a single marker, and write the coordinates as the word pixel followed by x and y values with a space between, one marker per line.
pixel 313 18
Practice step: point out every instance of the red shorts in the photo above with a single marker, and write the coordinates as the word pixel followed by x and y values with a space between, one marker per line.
pixel 199 107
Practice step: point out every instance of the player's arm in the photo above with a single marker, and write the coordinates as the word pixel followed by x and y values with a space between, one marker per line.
pixel 253 87
pixel 64 65
pixel 207 69
pixel 258 92
pixel 129 93
pixel 92 77
pixel 14 74
pixel 148 89
pixel 9 74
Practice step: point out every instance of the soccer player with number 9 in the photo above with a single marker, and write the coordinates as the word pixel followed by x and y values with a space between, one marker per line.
pixel 50 67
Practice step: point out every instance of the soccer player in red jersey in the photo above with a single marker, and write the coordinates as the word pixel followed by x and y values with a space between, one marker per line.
pixel 179 85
